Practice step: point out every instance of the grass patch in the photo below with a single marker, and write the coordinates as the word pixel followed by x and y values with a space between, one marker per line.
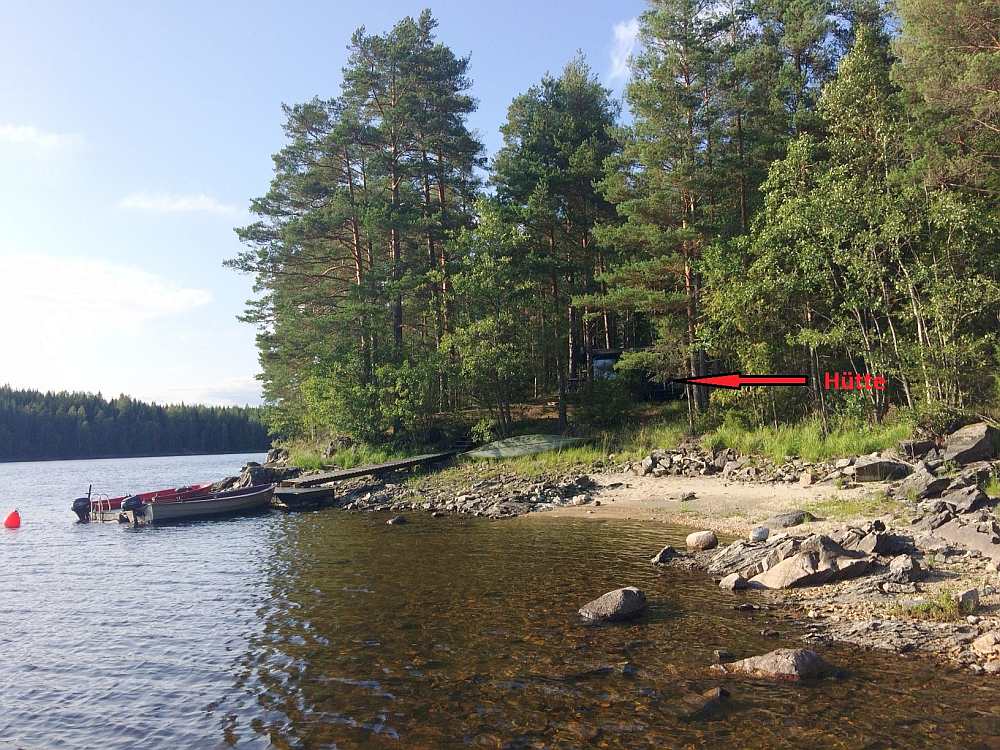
pixel 806 440
pixel 347 458
pixel 992 487
pixel 841 509
pixel 941 608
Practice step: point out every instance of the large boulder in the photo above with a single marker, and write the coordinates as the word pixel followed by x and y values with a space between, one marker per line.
pixel 782 664
pixel 921 485
pixel 879 469
pixel 620 604
pixel 975 442
pixel 701 540
pixel 915 448
pixel 254 473
pixel 819 560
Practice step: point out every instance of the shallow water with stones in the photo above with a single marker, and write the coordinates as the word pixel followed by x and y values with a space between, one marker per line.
pixel 328 629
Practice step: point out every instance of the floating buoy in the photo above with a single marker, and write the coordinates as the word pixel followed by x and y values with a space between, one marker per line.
pixel 13 520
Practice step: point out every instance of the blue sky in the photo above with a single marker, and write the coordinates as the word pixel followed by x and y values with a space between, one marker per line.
pixel 133 135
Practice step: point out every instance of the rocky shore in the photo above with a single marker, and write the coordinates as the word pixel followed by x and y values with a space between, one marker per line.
pixel 921 578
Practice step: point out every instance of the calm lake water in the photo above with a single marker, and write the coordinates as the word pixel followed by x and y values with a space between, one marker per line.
pixel 330 630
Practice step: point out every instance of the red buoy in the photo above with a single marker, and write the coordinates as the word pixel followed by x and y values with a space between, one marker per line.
pixel 13 520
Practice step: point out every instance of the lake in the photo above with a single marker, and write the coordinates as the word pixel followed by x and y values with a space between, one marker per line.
pixel 333 630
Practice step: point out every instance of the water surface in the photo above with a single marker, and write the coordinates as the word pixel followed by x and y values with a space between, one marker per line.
pixel 332 630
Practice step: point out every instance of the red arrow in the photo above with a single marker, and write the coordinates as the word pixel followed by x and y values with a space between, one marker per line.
pixel 736 380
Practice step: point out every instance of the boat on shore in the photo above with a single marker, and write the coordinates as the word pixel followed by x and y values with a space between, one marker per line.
pixel 177 504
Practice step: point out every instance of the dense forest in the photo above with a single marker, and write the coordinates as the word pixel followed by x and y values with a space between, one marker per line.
pixel 35 426
pixel 790 186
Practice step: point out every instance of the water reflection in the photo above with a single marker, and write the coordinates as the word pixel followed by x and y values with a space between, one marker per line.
pixel 452 633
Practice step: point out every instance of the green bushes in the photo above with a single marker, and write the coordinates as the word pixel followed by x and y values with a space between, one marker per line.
pixel 603 403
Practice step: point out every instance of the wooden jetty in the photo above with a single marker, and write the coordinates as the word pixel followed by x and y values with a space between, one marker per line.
pixel 301 498
pixel 374 470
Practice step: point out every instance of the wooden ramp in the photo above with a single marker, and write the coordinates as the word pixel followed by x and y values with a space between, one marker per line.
pixel 374 470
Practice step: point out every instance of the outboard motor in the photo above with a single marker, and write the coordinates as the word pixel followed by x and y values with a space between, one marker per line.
pixel 81 506
pixel 133 503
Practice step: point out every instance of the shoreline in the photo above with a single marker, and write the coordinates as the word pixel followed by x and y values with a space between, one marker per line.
pixel 867 611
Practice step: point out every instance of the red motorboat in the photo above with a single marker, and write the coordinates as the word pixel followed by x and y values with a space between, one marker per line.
pixel 84 507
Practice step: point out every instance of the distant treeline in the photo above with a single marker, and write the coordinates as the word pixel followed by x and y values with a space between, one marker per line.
pixel 35 425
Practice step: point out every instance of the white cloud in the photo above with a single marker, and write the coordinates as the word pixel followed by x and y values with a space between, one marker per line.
pixel 232 391
pixel 66 298
pixel 32 137
pixel 626 39
pixel 173 203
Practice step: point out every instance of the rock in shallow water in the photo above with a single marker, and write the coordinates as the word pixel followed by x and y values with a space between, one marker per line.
pixel 620 604
pixel 733 582
pixel 665 555
pixel 781 664
pixel 702 540
pixel 396 520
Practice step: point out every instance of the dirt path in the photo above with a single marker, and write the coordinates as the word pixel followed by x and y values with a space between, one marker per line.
pixel 728 507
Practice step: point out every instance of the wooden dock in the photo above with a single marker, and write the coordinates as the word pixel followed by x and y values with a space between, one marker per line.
pixel 374 470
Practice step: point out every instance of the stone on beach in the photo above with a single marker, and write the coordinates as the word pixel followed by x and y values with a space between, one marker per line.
pixel 702 540
pixel 988 645
pixel 878 469
pixel 818 561
pixel 787 520
pixel 781 664
pixel 620 604
pixel 975 442
pixel 922 485
pixel 967 601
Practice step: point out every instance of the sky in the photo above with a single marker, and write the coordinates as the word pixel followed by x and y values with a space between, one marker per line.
pixel 134 134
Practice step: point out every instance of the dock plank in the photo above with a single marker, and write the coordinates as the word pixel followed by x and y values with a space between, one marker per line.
pixel 368 470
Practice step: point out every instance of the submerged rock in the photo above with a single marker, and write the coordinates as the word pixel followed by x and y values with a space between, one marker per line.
pixel 396 520
pixel 702 540
pixel 781 664
pixel 620 604
pixel 700 705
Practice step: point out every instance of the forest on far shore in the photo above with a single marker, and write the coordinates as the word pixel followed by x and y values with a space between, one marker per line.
pixel 797 186
pixel 36 426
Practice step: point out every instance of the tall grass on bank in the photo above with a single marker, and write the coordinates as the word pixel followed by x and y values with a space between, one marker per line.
pixel 309 458
pixel 806 439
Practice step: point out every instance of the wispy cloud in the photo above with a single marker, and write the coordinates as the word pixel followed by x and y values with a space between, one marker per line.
pixel 32 137
pixel 65 298
pixel 174 203
pixel 233 391
pixel 624 44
